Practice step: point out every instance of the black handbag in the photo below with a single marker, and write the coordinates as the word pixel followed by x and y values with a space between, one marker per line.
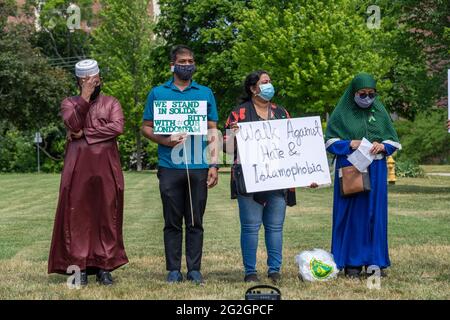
pixel 238 178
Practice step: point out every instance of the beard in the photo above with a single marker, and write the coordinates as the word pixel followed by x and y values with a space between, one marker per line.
pixel 96 93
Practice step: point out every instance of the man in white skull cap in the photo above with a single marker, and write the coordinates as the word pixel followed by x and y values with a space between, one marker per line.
pixel 87 231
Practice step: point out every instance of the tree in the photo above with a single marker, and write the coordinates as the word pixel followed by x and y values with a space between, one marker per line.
pixel 122 44
pixel 208 27
pixel 312 49
pixel 63 33
pixel 30 89
pixel 419 46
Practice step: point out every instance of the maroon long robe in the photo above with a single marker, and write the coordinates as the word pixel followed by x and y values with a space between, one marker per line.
pixel 88 223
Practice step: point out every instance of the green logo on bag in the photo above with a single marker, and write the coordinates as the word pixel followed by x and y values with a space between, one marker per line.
pixel 319 269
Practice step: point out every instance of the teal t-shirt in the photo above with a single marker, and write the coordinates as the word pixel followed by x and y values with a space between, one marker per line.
pixel 174 158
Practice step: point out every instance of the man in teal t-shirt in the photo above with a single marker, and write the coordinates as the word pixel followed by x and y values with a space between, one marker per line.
pixel 184 179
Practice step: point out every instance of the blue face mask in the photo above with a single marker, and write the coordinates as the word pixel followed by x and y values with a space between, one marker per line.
pixel 267 91
pixel 364 103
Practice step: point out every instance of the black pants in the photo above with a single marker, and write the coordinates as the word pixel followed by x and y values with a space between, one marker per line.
pixel 173 185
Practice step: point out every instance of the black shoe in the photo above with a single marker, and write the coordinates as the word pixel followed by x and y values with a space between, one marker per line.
pixel 353 272
pixel 104 277
pixel 83 279
pixel 253 277
pixel 275 277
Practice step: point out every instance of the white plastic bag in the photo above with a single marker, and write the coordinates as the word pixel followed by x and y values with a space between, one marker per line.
pixel 316 265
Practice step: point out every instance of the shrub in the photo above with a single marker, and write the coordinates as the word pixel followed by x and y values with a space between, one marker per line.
pixel 425 140
pixel 17 152
pixel 408 169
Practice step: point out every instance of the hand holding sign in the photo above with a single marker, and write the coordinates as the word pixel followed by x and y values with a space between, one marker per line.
pixel 234 127
pixel 176 139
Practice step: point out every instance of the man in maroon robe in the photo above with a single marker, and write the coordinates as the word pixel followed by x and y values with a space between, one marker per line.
pixel 88 226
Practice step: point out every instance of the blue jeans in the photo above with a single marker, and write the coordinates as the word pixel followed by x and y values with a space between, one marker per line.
pixel 252 215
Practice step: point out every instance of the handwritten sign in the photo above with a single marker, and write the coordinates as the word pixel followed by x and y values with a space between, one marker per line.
pixel 281 154
pixel 180 117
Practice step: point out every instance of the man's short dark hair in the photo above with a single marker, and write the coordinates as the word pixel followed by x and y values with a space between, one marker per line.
pixel 179 49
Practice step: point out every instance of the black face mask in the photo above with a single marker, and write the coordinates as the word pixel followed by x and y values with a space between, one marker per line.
pixel 96 93
pixel 184 71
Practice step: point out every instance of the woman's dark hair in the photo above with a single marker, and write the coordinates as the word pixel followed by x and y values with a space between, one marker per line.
pixel 249 82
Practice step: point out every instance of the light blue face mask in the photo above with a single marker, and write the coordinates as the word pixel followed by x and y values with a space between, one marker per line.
pixel 267 91
pixel 364 103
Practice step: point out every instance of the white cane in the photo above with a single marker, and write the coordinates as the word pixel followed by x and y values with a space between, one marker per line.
pixel 189 181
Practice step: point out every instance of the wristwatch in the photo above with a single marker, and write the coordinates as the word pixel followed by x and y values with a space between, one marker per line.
pixel 215 165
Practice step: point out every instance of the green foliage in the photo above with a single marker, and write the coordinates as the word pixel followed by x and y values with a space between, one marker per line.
pixel 17 152
pixel 308 47
pixel 122 45
pixel 62 45
pixel 425 140
pixel 408 169
pixel 152 155
pixel 208 27
pixel 7 8
pixel 312 49
pixel 419 47
pixel 31 90
pixel 53 147
pixel 128 155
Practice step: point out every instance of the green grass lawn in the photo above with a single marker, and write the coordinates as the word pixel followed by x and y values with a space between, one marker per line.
pixel 419 238
pixel 436 168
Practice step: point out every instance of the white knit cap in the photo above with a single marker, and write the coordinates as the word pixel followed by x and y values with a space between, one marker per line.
pixel 86 68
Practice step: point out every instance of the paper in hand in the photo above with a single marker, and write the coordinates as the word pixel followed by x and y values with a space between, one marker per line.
pixel 361 158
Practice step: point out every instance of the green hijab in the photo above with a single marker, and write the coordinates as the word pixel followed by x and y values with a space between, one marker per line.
pixel 350 122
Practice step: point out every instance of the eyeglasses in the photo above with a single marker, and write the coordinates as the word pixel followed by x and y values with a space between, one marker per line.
pixel 364 95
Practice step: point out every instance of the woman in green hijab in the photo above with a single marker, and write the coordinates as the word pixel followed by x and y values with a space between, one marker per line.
pixel 360 220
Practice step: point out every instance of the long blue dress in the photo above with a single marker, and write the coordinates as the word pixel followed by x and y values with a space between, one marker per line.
pixel 360 222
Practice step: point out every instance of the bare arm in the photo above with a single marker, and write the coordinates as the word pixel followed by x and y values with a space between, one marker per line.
pixel 213 142
pixel 229 140
pixel 213 145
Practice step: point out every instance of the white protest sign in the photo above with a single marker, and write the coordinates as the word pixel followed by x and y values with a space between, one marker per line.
pixel 171 117
pixel 281 154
